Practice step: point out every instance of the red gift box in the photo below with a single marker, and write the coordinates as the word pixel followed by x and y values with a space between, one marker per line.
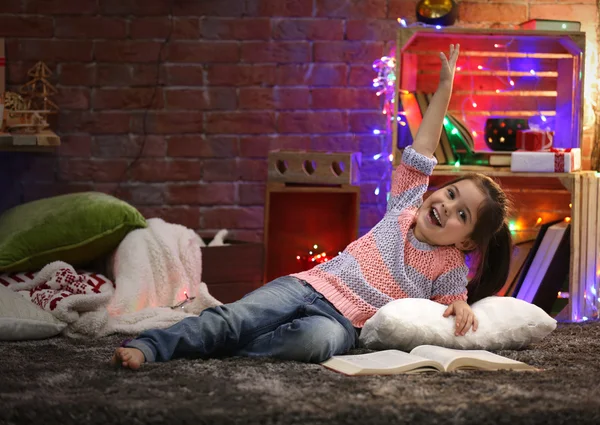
pixel 534 140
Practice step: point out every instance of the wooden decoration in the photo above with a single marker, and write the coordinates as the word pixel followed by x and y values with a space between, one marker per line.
pixel 38 90
pixel 319 168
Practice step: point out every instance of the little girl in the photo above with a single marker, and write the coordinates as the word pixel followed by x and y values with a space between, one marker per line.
pixel 416 251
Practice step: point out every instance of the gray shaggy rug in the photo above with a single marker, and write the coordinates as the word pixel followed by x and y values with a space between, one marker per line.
pixel 63 381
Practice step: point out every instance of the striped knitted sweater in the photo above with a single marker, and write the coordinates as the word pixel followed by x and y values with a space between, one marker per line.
pixel 388 262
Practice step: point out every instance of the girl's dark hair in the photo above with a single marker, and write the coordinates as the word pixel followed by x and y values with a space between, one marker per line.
pixel 492 237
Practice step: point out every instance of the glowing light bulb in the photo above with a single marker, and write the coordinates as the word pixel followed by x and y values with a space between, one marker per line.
pixel 544 118
pixel 474 133
pixel 454 131
pixel 391 157
pixel 402 22
pixel 377 191
pixel 532 72
pixel 479 67
pixel 474 105
pixel 376 131
pixel 539 220
pixel 458 68
pixel 512 83
pixel 297 257
pixel 315 246
pixel 437 27
pixel 457 164
pixel 376 157
pixel 568 219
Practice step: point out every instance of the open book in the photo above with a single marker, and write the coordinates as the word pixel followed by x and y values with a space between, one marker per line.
pixel 424 358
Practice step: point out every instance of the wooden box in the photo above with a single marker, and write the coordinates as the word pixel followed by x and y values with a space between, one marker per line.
pixel 314 167
pixel 546 69
pixel 231 271
pixel 299 217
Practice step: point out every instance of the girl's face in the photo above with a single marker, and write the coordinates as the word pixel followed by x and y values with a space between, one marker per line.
pixel 449 215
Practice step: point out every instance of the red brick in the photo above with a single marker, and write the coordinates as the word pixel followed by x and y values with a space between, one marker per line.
pixel 346 143
pixel 163 27
pixel 313 122
pixel 207 99
pixel 204 51
pixel 127 98
pixel 361 76
pixel 83 27
pixel 344 98
pixel 354 52
pixel 202 146
pixel 94 122
pixel 312 75
pixel 251 193
pixel 570 12
pixel 280 52
pixel 246 235
pixel 269 98
pixel 308 29
pixel 252 169
pixel 402 9
pixel 380 29
pixel 236 29
pixel 128 146
pixel 169 122
pixel 240 122
pixel 76 74
pixel 97 170
pixel 369 144
pixel 185 75
pixel 50 50
pixel 255 146
pixel 69 98
pixel 492 12
pixel 298 8
pixel 142 193
pixel 291 142
pixel 157 170
pixel 201 194
pixel 220 170
pixel 113 75
pixel 144 75
pixel 351 8
pixel 366 122
pixel 79 145
pixel 127 51
pixel 185 216
pixel 233 218
pixel 240 75
pixel 11 6
pixel 26 26
pixel 61 7
pixel 209 8
pixel 16 71
pixel 135 7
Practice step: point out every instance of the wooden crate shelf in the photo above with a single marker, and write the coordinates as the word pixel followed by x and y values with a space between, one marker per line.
pixel 299 216
pixel 555 90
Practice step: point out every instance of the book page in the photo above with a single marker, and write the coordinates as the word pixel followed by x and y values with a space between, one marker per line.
pixel 381 362
pixel 453 359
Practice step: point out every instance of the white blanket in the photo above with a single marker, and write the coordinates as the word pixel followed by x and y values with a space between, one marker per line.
pixel 153 268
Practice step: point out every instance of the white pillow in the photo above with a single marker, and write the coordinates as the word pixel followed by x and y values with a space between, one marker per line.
pixel 20 319
pixel 504 323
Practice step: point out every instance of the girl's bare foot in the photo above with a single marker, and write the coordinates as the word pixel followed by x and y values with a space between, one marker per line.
pixel 131 358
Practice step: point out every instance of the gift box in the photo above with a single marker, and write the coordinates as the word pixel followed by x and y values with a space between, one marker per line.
pixel 552 161
pixel 534 140
pixel 2 68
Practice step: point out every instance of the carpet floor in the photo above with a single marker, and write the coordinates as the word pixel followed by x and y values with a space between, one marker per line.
pixel 63 381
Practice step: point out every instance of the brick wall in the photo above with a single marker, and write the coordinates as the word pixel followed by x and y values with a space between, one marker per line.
pixel 236 79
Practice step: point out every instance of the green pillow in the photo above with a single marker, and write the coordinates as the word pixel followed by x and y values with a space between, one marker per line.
pixel 75 228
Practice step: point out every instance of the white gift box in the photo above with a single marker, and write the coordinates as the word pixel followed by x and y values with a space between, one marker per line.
pixel 552 161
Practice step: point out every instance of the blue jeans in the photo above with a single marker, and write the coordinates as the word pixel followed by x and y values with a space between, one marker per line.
pixel 285 318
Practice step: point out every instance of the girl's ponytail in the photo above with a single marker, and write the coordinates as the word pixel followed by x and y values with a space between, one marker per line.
pixel 493 266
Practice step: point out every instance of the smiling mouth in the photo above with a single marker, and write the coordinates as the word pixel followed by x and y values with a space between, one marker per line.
pixel 434 216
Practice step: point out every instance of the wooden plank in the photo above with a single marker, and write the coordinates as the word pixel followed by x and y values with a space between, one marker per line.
pixel 591 256
pixel 597 248
pixel 583 226
pixel 567 126
pixel 574 284
pixel 314 167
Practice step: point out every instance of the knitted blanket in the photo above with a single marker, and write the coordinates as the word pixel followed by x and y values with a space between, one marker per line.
pixel 154 269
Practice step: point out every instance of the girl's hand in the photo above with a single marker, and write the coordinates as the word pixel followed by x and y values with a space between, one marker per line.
pixel 465 318
pixel 449 65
